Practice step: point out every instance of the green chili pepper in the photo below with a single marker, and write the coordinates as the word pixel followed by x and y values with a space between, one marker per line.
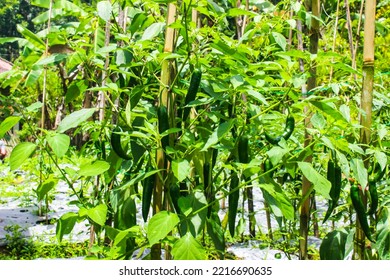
pixel 117 145
pixel 234 196
pixel 288 130
pixel 360 211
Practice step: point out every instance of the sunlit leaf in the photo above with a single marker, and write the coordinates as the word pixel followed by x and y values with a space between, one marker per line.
pixel 65 225
pixel 188 248
pixel 181 169
pixel 75 119
pixel 160 225
pixel 94 168
pixel 98 214
pixel 21 153
pixel 59 143
pixel 8 124
pixel 320 183
pixel 104 9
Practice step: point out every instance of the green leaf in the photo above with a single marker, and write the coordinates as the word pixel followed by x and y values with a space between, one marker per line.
pixel 75 89
pixel 52 59
pixel 276 154
pixel 383 233
pixel 320 183
pixel 20 153
pixel 194 207
pixel 34 107
pixel 152 31
pixel 65 225
pixel 359 171
pixel 329 110
pixel 333 245
pixel 218 133
pixel 185 205
pixel 31 37
pixel 160 225
pixel 98 214
pixel 216 232
pixel 59 143
pixel 75 119
pixel 258 96
pixel 280 40
pixel 188 248
pixel 33 76
pixel 234 12
pixel 93 169
pixel 104 9
pixel 7 124
pixel 45 187
pixel 181 169
pixel 237 81
pixel 278 201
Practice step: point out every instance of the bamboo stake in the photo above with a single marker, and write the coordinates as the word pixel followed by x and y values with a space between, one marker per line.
pixel 43 112
pixel 358 34
pixel 166 99
pixel 349 26
pixel 366 107
pixel 311 84
pixel 334 36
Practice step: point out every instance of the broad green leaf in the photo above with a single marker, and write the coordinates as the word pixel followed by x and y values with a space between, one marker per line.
pixel 181 169
pixel 381 158
pixel 185 205
pixel 276 154
pixel 75 89
pixel 104 9
pixel 258 96
pixel 20 153
pixel 329 110
pixel 31 37
pixel 34 107
pixel 123 57
pixel 98 214
pixel 318 121
pixel 59 143
pixel 237 81
pixel 234 12
pixel 45 187
pixel 52 59
pixel 5 40
pixel 333 245
pixel 216 232
pixel 199 218
pixel 320 183
pixel 153 30
pixel 160 225
pixel 218 133
pixel 65 225
pixel 94 168
pixel 359 171
pixel 33 76
pixel 225 49
pixel 7 124
pixel 188 248
pixel 280 40
pixel 278 201
pixel 75 119
pixel 383 233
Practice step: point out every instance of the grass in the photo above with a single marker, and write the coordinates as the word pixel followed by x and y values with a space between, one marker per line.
pixel 19 248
